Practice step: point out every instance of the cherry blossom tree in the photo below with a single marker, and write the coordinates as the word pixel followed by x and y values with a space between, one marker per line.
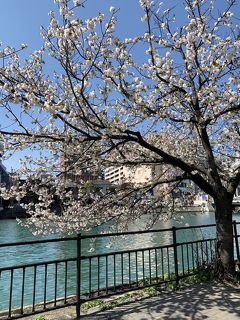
pixel 168 98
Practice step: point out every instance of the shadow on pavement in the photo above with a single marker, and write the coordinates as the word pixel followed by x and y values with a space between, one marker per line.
pixel 198 302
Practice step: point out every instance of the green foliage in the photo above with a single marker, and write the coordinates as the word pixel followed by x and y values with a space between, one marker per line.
pixel 42 317
pixel 131 297
pixel 108 306
pixel 151 291
pixel 174 286
pixel 124 299
pixel 100 303
pixel 201 276
pixel 88 186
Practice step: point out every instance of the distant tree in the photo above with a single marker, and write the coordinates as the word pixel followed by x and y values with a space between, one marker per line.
pixel 168 98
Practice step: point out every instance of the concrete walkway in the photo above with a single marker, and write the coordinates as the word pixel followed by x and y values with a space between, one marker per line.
pixel 198 302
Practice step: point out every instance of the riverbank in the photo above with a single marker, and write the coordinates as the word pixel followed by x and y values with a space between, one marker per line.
pixel 211 300
pixel 19 212
pixel 13 213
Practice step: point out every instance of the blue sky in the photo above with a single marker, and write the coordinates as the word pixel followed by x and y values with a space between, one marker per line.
pixel 20 22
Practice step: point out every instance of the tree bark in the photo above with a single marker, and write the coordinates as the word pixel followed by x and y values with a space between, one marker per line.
pixel 225 245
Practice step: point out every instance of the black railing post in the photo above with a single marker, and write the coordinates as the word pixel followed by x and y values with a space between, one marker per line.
pixel 78 276
pixel 236 239
pixel 174 235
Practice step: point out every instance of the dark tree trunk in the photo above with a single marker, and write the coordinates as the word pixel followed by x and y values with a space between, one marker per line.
pixel 225 248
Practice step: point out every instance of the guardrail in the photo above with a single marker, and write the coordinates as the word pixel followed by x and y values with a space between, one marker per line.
pixel 57 283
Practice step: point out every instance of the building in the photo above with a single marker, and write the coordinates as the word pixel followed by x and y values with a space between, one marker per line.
pixel 125 174
pixel 144 174
pixel 100 186
pixel 89 178
pixel 74 172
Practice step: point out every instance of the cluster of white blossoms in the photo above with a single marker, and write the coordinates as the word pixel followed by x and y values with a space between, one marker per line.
pixel 168 98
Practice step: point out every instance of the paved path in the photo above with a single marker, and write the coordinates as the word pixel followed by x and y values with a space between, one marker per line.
pixel 198 302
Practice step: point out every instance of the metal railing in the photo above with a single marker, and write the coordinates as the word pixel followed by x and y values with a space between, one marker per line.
pixel 32 288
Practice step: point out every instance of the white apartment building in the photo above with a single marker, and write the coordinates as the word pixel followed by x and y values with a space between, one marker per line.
pixel 125 174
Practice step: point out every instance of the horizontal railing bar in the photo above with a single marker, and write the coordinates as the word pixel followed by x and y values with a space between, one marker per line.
pixel 85 298
pixel 196 227
pixel 195 241
pixel 19 316
pixel 8 268
pixel 143 231
pixel 83 257
pixel 36 264
pixel 23 243
pixel 125 288
pixel 125 233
